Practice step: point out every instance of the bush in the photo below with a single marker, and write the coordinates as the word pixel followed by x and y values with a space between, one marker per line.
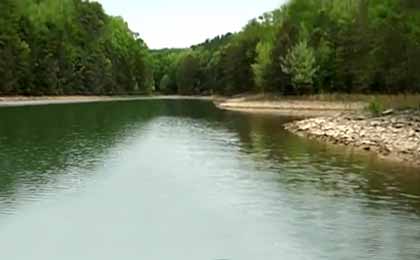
pixel 375 107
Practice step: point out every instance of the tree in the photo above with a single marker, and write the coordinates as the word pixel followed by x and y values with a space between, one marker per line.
pixel 354 46
pixel 263 62
pixel 186 76
pixel 60 47
pixel 165 83
pixel 14 52
pixel 300 64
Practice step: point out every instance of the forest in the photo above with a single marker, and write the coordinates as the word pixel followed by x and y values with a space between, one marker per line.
pixel 305 47
pixel 66 47
pixel 63 47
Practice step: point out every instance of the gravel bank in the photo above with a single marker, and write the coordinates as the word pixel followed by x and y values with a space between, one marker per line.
pixel 394 135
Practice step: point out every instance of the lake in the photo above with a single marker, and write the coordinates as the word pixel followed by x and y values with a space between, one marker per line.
pixel 182 180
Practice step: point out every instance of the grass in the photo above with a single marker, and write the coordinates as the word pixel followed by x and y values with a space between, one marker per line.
pixel 375 107
pixel 399 101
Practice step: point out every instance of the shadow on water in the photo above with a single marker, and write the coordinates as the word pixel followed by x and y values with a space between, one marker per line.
pixel 39 143
pixel 332 170
pixel 178 169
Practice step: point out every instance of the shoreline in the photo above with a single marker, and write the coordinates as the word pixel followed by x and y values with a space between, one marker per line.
pixel 393 136
pixel 289 107
pixel 18 101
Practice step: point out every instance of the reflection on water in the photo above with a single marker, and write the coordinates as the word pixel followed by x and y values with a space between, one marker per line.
pixel 128 179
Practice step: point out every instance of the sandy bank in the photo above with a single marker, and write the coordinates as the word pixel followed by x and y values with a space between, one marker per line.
pixel 48 100
pixel 394 135
pixel 289 107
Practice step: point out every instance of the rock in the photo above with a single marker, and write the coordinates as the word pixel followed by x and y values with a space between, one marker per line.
pixel 396 130
pixel 375 123
pixel 359 118
pixel 385 150
pixel 318 132
pixel 396 133
pixel 388 112
pixel 368 142
pixel 304 127
pixel 398 125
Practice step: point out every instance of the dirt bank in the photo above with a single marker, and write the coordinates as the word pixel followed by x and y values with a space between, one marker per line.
pixel 47 100
pixel 395 135
pixel 289 107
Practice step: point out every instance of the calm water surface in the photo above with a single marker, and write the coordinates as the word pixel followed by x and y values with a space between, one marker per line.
pixel 181 180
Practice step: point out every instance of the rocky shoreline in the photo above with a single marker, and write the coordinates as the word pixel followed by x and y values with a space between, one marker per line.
pixel 393 135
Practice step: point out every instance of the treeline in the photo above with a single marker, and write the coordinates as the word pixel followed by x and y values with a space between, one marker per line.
pixel 305 47
pixel 62 47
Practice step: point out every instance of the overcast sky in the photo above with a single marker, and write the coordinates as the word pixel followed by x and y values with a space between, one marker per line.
pixel 182 23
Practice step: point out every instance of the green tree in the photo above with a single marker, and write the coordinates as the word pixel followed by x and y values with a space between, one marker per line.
pixel 165 83
pixel 69 46
pixel 187 74
pixel 300 64
pixel 14 52
pixel 263 62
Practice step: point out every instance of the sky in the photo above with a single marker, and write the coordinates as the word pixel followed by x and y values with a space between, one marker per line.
pixel 182 23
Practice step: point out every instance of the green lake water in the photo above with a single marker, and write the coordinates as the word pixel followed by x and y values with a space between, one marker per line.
pixel 182 180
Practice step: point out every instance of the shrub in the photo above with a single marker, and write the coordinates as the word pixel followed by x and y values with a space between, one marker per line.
pixel 375 107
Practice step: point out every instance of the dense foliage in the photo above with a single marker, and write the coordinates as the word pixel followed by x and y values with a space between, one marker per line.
pixel 305 47
pixel 60 47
